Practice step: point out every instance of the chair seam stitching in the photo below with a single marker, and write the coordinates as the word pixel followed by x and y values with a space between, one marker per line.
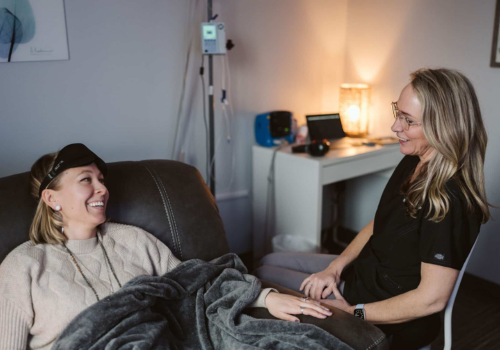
pixel 164 204
pixel 376 343
pixel 175 231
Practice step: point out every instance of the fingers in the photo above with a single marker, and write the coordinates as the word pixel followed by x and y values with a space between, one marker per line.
pixel 314 285
pixel 315 313
pixel 314 308
pixel 304 283
pixel 289 306
pixel 313 289
pixel 287 317
pixel 327 291
pixel 307 290
pixel 317 290
pixel 336 292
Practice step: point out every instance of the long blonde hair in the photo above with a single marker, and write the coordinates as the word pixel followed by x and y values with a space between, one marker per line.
pixel 452 124
pixel 47 223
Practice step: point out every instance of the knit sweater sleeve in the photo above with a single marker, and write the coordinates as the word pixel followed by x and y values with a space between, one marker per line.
pixel 166 261
pixel 161 256
pixel 16 312
pixel 14 326
pixel 261 300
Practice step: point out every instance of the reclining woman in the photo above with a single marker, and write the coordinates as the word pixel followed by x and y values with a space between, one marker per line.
pixel 75 258
pixel 403 265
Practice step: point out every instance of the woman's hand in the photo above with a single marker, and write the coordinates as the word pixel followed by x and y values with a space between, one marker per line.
pixel 339 302
pixel 319 285
pixel 284 306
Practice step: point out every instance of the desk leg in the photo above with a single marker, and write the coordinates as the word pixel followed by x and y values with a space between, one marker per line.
pixel 298 198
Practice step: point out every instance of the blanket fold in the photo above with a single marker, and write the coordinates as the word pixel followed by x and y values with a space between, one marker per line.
pixel 198 305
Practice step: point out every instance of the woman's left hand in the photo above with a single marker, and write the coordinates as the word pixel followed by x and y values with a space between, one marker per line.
pixel 284 306
pixel 339 302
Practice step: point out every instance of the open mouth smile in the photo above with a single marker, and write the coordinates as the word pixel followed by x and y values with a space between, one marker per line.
pixel 96 204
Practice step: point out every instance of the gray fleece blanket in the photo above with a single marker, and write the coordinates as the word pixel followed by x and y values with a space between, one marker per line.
pixel 198 305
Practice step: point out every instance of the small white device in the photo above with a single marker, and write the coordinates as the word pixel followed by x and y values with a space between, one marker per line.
pixel 213 38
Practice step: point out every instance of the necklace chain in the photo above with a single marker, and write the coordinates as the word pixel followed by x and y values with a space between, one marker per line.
pixel 85 277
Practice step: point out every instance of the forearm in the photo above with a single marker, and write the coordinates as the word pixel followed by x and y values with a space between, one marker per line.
pixel 401 308
pixel 354 248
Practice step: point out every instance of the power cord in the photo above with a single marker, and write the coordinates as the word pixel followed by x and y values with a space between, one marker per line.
pixel 207 151
pixel 270 202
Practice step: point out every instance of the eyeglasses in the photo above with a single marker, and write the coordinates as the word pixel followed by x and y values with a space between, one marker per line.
pixel 405 122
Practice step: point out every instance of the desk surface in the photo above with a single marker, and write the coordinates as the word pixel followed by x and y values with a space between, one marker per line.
pixel 335 156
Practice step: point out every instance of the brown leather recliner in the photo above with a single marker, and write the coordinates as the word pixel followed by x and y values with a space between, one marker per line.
pixel 170 200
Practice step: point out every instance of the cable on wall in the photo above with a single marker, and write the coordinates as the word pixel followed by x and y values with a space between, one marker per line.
pixel 270 202
pixel 207 154
pixel 191 25
pixel 228 120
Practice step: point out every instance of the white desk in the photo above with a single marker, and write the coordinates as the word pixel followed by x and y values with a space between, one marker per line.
pixel 298 186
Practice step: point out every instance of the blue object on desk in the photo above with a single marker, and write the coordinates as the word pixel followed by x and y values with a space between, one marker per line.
pixel 273 127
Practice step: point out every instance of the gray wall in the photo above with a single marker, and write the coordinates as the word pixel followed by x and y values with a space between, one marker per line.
pixel 386 40
pixel 119 92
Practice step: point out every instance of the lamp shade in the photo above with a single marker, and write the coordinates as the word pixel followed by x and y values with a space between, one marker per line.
pixel 354 102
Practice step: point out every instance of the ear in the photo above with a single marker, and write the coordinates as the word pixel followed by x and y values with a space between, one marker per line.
pixel 48 196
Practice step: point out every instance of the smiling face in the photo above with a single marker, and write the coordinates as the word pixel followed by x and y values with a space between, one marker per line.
pixel 82 196
pixel 412 141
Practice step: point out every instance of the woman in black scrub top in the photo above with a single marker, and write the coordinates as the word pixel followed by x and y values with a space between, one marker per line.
pixel 403 265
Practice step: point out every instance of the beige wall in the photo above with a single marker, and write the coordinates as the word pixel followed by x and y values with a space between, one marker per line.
pixel 289 55
pixel 388 39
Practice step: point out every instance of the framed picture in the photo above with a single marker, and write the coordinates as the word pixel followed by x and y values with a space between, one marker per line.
pixel 495 49
pixel 32 30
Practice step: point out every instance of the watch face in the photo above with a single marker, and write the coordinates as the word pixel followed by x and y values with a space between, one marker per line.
pixel 359 313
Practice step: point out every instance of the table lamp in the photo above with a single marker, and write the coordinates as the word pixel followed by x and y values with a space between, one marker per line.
pixel 354 101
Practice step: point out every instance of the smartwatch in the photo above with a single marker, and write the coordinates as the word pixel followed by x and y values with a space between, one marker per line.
pixel 359 311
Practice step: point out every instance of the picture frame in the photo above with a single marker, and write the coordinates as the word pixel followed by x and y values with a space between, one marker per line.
pixel 33 30
pixel 495 48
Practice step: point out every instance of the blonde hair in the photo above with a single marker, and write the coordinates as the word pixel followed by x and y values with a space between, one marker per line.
pixel 453 126
pixel 47 223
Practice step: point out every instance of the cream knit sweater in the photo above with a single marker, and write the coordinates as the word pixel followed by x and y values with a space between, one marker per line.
pixel 41 290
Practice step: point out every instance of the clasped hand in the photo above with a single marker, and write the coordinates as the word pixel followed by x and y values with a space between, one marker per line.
pixel 284 306
pixel 320 285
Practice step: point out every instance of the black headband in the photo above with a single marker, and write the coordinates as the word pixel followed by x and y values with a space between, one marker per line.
pixel 72 156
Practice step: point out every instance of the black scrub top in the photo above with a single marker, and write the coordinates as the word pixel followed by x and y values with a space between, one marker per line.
pixel 390 262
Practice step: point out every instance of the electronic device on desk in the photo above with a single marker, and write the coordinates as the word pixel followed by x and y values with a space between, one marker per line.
pixel 213 38
pixel 329 127
pixel 317 148
pixel 273 127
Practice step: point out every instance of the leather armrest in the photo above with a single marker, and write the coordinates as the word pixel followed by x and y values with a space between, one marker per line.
pixel 359 334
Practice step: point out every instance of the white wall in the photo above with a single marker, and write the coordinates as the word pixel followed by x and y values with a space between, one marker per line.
pixel 388 39
pixel 119 92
